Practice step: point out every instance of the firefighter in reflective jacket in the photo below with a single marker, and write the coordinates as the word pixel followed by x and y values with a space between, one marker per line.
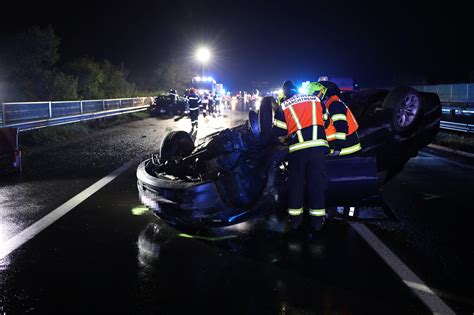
pixel 194 101
pixel 342 131
pixel 303 118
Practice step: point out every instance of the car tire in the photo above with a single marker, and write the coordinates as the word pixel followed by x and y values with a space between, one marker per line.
pixel 406 105
pixel 176 145
pixel 265 118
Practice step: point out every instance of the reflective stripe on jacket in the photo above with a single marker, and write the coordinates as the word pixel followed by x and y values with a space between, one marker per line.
pixel 331 132
pixel 303 112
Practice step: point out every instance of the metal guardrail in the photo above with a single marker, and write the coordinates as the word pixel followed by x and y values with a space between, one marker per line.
pixel 449 125
pixel 458 101
pixel 34 115
pixel 450 93
pixel 457 111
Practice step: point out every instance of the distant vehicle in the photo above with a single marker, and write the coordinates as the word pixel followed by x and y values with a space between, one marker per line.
pixel 168 105
pixel 240 173
pixel 207 85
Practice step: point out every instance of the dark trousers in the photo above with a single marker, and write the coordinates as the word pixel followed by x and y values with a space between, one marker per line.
pixel 194 114
pixel 308 167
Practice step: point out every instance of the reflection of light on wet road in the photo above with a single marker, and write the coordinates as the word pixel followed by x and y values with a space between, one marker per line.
pixel 4 231
pixel 206 125
pixel 7 229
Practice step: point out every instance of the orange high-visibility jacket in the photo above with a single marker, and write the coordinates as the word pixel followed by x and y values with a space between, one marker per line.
pixel 349 117
pixel 302 111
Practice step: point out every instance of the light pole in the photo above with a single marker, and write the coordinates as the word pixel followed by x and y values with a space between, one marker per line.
pixel 203 55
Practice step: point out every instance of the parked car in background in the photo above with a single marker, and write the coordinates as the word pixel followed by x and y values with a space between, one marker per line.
pixel 168 105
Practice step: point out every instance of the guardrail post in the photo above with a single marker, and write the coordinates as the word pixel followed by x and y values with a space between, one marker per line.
pixel 50 110
pixel 103 105
pixel 120 103
pixel 82 110
pixel 451 92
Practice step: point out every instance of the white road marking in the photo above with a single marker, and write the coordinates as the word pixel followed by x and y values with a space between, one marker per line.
pixel 439 292
pixel 409 278
pixel 27 234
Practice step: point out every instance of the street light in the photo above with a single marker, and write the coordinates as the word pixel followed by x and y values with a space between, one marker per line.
pixel 203 55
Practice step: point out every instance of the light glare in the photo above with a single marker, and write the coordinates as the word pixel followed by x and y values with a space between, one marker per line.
pixel 203 54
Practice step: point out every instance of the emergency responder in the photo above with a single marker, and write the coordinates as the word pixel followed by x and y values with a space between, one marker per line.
pixel 194 101
pixel 303 118
pixel 204 104
pixel 342 131
pixel 210 105
pixel 217 103
pixel 174 96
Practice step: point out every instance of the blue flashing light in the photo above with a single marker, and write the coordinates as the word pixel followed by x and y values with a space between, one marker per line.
pixel 304 87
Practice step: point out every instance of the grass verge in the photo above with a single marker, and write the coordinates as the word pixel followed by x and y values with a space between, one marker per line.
pixel 455 140
pixel 62 133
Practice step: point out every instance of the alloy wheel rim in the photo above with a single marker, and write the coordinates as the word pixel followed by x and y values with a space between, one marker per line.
pixel 408 110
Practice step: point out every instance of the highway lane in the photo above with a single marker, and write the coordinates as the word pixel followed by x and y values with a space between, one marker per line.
pixel 104 257
pixel 339 266
pixel 432 199
pixel 54 173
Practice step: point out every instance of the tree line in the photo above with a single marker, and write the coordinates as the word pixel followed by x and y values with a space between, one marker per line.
pixel 33 71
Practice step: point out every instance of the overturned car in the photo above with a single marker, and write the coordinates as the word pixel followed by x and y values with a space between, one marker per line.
pixel 235 174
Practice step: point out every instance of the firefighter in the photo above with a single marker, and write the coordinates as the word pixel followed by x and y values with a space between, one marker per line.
pixel 194 101
pixel 174 96
pixel 303 118
pixel 217 103
pixel 211 105
pixel 204 104
pixel 342 131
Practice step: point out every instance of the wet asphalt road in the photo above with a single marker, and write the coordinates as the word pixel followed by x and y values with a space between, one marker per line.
pixel 56 172
pixel 102 256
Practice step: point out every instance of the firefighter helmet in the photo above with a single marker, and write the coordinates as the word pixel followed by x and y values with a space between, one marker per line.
pixel 316 88
pixel 332 88
pixel 289 89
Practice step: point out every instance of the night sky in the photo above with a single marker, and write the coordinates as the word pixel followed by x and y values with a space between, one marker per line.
pixel 373 42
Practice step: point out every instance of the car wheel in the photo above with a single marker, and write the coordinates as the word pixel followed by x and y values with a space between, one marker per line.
pixel 176 145
pixel 406 105
pixel 265 118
